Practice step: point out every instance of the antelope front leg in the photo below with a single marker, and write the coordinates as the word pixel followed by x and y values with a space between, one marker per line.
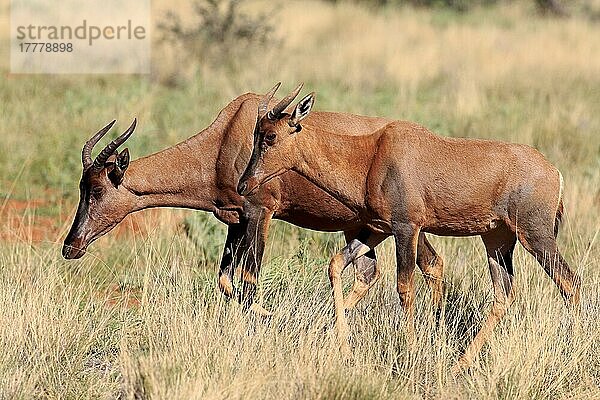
pixel 366 269
pixel 255 236
pixel 406 237
pixel 366 274
pixel 338 263
pixel 235 246
pixel 432 266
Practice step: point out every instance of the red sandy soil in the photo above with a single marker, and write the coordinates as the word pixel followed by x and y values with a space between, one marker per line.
pixel 116 296
pixel 19 222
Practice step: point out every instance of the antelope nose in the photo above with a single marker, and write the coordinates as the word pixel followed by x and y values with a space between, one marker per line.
pixel 67 251
pixel 242 186
pixel 73 249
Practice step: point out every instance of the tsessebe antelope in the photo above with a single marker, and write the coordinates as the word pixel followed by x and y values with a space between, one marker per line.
pixel 403 180
pixel 202 173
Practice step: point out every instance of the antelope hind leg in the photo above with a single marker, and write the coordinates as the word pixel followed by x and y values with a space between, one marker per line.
pixel 499 246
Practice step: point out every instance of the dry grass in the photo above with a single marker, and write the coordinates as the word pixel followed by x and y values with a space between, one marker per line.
pixel 140 315
pixel 64 337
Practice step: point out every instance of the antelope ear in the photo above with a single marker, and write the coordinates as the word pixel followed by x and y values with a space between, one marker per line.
pixel 121 164
pixel 302 110
pixel 123 159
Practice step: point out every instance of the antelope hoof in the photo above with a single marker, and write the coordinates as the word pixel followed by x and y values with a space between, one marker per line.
pixel 460 366
pixel 260 310
pixel 345 350
pixel 226 286
pixel 359 290
pixel 349 304
pixel 456 370
pixel 343 336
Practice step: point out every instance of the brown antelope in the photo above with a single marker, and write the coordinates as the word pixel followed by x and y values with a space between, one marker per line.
pixel 111 187
pixel 403 180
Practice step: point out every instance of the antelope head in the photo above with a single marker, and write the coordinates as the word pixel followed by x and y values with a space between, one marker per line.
pixel 274 139
pixel 103 201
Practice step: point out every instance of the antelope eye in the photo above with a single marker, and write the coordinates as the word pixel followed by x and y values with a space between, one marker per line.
pixel 97 192
pixel 270 137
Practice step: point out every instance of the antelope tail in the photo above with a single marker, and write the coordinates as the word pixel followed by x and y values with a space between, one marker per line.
pixel 560 208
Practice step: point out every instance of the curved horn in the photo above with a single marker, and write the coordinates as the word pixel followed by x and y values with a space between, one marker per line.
pixel 86 153
pixel 112 146
pixel 284 103
pixel 264 101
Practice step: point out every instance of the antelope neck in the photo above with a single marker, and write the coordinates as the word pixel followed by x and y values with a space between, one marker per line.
pixel 338 164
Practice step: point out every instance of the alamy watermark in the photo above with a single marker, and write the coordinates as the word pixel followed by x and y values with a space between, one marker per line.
pixel 109 36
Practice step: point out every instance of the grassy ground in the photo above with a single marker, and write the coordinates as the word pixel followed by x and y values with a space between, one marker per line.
pixel 140 314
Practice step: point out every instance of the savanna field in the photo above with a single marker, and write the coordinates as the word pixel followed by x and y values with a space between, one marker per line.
pixel 140 315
